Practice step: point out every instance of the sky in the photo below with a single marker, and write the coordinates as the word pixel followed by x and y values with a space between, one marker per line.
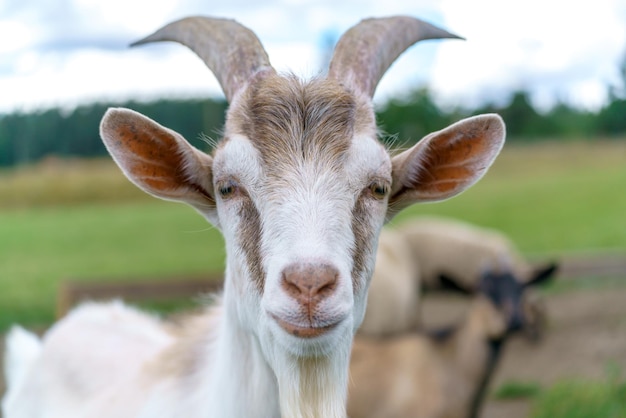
pixel 69 52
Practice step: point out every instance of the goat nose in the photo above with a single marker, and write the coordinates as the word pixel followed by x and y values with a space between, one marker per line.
pixel 309 283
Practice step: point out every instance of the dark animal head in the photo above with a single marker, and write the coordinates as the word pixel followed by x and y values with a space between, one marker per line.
pixel 507 294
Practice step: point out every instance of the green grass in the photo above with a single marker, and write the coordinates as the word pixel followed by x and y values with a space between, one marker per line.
pixel 571 398
pixel 582 284
pixel 84 220
pixel 39 247
pixel 549 197
pixel 582 399
pixel 517 390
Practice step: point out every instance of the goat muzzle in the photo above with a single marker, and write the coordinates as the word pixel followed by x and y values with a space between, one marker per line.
pixel 308 284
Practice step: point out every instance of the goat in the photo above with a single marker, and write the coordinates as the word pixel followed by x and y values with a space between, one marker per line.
pixel 430 252
pixel 460 251
pixel 442 374
pixel 300 187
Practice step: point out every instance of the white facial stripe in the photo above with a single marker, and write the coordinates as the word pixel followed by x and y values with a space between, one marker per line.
pixel 312 219
pixel 315 223
pixel 367 157
pixel 238 157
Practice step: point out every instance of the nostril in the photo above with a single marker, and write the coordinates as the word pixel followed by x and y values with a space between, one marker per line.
pixel 291 287
pixel 328 288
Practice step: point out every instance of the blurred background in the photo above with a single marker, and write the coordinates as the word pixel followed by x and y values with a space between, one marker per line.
pixel 554 70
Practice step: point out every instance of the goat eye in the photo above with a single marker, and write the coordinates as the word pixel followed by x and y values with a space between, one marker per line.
pixel 379 190
pixel 227 189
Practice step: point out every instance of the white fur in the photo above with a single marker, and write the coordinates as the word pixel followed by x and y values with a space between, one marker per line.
pixel 22 348
pixel 111 338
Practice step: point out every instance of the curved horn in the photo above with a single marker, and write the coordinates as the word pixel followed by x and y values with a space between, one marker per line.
pixel 232 51
pixel 366 50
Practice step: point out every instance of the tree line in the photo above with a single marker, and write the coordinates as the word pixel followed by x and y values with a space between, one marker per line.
pixel 29 137
pixel 412 119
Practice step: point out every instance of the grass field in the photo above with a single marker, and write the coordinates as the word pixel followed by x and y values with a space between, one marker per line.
pixel 84 220
pixel 582 399
pixel 550 197
pixel 572 398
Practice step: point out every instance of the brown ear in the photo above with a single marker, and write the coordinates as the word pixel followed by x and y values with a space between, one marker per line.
pixel 445 163
pixel 158 160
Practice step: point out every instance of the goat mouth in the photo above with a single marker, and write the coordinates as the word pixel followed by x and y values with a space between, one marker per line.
pixel 304 331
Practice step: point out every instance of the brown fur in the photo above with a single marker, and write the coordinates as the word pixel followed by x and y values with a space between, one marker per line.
pixel 249 237
pixel 363 239
pixel 159 167
pixel 459 161
pixel 453 162
pixel 289 120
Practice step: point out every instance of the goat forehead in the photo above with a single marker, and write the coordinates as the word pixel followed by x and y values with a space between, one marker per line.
pixel 364 159
pixel 292 122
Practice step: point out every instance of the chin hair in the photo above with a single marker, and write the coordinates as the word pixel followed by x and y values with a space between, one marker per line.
pixel 314 386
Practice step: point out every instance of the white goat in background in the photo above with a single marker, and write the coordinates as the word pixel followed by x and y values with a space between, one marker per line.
pixel 421 252
pixel 300 187
pixel 394 296
pixel 461 251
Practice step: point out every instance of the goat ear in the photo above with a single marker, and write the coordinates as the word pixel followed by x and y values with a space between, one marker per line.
pixel 448 283
pixel 158 160
pixel 542 275
pixel 445 163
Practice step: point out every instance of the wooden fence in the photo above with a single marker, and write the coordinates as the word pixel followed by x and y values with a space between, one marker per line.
pixel 72 292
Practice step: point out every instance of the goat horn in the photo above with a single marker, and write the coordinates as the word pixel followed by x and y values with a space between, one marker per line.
pixel 231 51
pixel 366 50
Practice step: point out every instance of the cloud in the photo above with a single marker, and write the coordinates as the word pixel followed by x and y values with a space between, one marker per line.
pixel 559 50
pixel 68 51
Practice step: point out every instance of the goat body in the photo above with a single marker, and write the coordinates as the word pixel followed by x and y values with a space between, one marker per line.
pixel 435 252
pixel 300 187
pixel 418 375
pixel 393 298
pixel 461 251
pixel 415 375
